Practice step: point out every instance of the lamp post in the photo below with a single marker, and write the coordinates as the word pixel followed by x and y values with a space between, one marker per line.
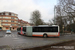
pixel 54 13
pixel 63 28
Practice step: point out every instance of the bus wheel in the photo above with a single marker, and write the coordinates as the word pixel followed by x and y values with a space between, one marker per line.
pixel 45 35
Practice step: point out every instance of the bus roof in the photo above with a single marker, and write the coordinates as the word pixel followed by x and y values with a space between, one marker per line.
pixel 43 25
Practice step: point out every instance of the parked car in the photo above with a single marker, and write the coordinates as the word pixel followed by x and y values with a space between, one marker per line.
pixel 8 32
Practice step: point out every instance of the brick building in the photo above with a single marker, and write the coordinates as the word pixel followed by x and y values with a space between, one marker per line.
pixel 22 23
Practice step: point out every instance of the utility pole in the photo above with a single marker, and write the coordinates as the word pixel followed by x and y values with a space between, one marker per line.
pixel 54 14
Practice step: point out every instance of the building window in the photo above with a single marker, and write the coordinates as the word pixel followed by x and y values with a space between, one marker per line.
pixel 12 24
pixel 9 13
pixel 1 24
pixel 16 21
pixel 6 17
pixel 1 17
pixel 6 13
pixel 1 20
pixel 12 18
pixel 15 24
pixel 1 13
pixel 12 15
pixel 16 18
pixel 6 20
pixel 6 24
pixel 15 15
pixel 12 21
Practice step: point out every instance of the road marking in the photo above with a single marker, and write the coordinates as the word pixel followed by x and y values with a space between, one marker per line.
pixel 9 36
pixel 15 38
pixel 5 35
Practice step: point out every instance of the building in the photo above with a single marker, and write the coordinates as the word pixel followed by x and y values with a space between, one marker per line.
pixel 22 23
pixel 8 21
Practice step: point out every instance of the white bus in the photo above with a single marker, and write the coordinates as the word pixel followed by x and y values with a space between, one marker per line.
pixel 21 30
pixel 44 31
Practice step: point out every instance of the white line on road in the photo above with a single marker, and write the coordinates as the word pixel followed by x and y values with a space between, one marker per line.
pixel 10 35
pixel 15 38
pixel 5 35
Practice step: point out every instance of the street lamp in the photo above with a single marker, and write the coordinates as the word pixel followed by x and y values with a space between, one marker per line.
pixel 63 28
pixel 54 13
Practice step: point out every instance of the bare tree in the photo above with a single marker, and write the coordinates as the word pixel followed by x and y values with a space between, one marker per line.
pixel 36 18
pixel 51 22
pixel 65 11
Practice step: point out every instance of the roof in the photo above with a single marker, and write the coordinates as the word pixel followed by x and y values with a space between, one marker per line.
pixel 20 20
pixel 8 12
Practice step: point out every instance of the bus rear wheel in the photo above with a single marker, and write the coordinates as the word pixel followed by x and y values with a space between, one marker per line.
pixel 45 35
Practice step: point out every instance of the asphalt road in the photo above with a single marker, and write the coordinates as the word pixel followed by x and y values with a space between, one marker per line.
pixel 18 41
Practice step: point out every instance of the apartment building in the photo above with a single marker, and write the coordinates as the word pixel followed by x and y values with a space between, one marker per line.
pixel 8 21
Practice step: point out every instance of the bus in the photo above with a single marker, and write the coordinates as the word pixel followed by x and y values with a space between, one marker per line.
pixel 44 31
pixel 21 30
pixel 0 28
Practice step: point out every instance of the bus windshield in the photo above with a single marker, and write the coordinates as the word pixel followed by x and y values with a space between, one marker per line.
pixel 19 29
pixel 24 29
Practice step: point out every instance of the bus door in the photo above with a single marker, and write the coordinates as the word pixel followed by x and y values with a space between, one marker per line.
pixel 29 31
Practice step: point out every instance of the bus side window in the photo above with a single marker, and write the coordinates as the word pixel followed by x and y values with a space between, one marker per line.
pixel 39 29
pixel 33 29
pixel 36 29
pixel 55 29
pixel 24 29
pixel 50 29
pixel 45 29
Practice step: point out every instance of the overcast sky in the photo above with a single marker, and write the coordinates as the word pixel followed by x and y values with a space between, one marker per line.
pixel 24 8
